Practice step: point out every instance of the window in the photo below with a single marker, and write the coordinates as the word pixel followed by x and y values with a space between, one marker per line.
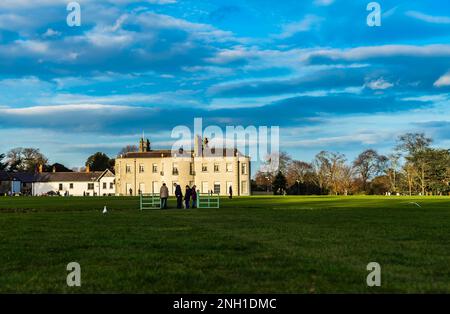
pixel 154 168
pixel 111 185
pixel 104 185
pixel 128 169
pixel 244 168
pixel 216 167
pixel 90 186
pixel 155 187
pixel 229 167
pixel 205 187
pixel 60 187
pixel 141 168
pixel 217 188
pixel 175 169
pixel 71 186
pixel 244 187
pixel 204 167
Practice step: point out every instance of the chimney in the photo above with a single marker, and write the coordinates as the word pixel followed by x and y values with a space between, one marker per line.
pixel 40 168
pixel 141 145
pixel 88 169
pixel 54 169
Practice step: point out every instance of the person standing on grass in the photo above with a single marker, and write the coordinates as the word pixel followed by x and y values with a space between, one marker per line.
pixel 179 195
pixel 194 196
pixel 230 192
pixel 187 196
pixel 164 195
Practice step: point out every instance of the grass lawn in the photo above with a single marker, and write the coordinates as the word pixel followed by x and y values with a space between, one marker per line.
pixel 249 245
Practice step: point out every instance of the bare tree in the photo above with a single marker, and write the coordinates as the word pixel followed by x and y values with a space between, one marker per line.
pixel 320 165
pixel 328 165
pixel 297 171
pixel 25 159
pixel 416 145
pixel 275 163
pixel 128 149
pixel 392 170
pixel 345 178
pixel 369 164
pixel 410 173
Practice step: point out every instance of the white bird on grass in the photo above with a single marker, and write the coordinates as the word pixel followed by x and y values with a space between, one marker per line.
pixel 105 210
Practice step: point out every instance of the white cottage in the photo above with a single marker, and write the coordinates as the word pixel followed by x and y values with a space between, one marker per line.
pixel 96 183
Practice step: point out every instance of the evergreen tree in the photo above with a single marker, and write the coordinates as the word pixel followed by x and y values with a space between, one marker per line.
pixel 279 183
pixel 98 162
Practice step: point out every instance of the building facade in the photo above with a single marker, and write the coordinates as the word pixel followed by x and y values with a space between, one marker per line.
pixel 96 183
pixel 209 169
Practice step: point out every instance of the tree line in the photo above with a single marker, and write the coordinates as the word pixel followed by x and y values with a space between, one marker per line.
pixel 21 159
pixel 412 168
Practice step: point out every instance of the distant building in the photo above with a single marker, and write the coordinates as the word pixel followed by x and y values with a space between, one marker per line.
pixel 24 182
pixel 208 168
pixel 97 183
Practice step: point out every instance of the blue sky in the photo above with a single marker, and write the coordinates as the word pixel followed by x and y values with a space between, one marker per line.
pixel 314 68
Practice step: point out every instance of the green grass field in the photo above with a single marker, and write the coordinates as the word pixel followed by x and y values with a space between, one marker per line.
pixel 249 245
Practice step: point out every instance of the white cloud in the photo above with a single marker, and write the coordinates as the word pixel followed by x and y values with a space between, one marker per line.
pixel 51 33
pixel 429 18
pixel 175 98
pixel 379 84
pixel 444 80
pixel 306 24
pixel 428 98
pixel 21 4
pixel 15 22
pixel 255 102
pixel 206 32
pixel 323 2
pixel 50 110
pixel 34 46
pixel 367 52
pixel 162 1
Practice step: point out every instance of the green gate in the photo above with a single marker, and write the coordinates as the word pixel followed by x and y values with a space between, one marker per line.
pixel 150 201
pixel 208 200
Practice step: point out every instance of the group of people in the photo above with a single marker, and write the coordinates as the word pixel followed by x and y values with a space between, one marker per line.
pixel 189 195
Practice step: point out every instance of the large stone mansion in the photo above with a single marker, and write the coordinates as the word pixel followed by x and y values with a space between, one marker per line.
pixel 208 168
